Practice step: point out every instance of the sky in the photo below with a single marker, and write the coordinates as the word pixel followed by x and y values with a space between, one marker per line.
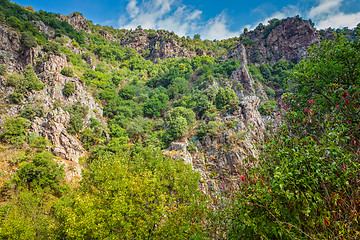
pixel 212 19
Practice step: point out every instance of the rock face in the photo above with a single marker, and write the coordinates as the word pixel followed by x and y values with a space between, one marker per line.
pixel 53 127
pixel 289 40
pixel 77 21
pixel 156 45
pixel 44 29
pixel 221 157
pixel 54 64
pixel 12 53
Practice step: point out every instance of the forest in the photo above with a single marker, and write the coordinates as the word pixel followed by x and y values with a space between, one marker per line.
pixel 304 185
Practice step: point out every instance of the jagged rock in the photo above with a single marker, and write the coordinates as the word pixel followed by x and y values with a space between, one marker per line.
pixel 53 127
pixel 107 35
pixel 289 40
pixel 55 63
pixel 44 28
pixel 77 21
pixel 178 150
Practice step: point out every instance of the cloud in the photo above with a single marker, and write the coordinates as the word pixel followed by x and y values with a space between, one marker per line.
pixel 217 28
pixel 329 13
pixel 171 15
pixel 325 7
pixel 340 20
pixel 287 11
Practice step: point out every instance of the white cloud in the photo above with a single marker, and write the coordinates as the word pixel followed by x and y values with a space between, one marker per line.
pixel 287 11
pixel 174 16
pixel 217 28
pixel 325 7
pixel 329 13
pixel 132 9
pixel 339 20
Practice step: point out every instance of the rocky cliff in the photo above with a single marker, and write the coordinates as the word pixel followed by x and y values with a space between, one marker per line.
pixel 286 39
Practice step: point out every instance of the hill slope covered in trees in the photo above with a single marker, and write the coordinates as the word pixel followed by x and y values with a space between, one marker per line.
pixel 135 134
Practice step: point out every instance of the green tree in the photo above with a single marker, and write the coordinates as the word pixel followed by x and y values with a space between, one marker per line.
pixel 226 99
pixel 127 196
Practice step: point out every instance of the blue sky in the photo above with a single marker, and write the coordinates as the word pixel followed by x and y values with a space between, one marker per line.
pixel 212 19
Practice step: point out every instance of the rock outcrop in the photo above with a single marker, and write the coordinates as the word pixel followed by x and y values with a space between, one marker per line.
pixel 289 40
pixel 77 21
pixel 223 155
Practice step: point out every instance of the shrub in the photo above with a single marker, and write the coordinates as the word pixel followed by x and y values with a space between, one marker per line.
pixel 28 40
pixel 266 108
pixel 67 71
pixel 42 172
pixel 14 130
pixel 69 89
pixel 3 69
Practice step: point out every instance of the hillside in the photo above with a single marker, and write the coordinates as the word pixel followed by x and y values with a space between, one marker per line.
pixel 114 133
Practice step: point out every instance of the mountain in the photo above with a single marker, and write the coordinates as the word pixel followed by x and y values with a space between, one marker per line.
pixel 89 97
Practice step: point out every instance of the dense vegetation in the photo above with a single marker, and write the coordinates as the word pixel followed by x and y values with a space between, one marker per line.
pixel 305 184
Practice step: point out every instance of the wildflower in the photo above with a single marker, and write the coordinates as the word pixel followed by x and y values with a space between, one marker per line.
pixel 311 101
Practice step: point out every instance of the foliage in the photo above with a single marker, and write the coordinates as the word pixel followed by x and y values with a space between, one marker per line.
pixel 128 196
pixel 32 111
pixel 226 99
pixel 28 40
pixel 69 89
pixel 67 71
pixel 14 130
pixel 42 171
pixel 3 69
pixel 23 84
pixel 306 183
pixel 268 107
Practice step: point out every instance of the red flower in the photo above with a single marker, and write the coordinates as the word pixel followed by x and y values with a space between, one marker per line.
pixel 311 101
pixel 337 107
pixel 347 102
pixel 356 105
pixel 242 177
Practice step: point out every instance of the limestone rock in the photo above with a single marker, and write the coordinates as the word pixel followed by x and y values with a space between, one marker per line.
pixel 44 28
pixel 55 63
pixel 77 20
pixel 53 127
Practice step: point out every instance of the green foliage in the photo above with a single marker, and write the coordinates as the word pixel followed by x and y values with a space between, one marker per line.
pixel 37 142
pixel 69 89
pixel 128 196
pixel 52 48
pixel 67 71
pixel 77 113
pixel 14 130
pixel 42 172
pixel 306 183
pixel 226 99
pixel 126 92
pixel 28 40
pixel 156 105
pixel 32 111
pixel 267 108
pixel 24 84
pixel 3 69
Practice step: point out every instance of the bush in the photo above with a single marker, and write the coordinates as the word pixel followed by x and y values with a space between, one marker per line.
pixel 42 172
pixel 28 40
pixel 69 89
pixel 14 130
pixel 266 108
pixel 3 69
pixel 67 71
pixel 137 190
